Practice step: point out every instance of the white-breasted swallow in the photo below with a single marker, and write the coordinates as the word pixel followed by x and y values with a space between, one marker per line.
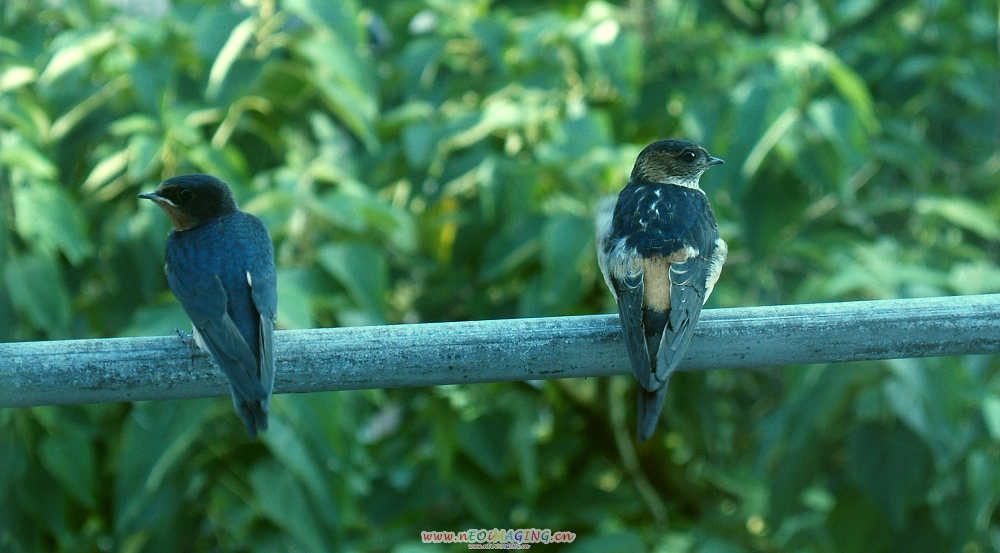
pixel 220 266
pixel 659 249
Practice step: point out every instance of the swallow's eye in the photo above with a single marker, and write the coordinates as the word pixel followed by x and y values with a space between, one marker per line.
pixel 185 195
pixel 688 156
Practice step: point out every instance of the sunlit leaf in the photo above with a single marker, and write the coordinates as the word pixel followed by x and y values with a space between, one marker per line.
pixel 853 89
pixel 963 213
pixel 237 41
pixel 339 77
pixel 16 77
pixel 19 154
pixel 143 152
pixel 106 169
pixel 354 208
pixel 74 53
pixel 74 116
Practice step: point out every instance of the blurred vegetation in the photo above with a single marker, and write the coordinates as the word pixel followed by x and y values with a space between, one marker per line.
pixel 436 160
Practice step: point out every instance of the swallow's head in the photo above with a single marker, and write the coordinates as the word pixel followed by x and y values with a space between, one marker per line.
pixel 673 161
pixel 190 200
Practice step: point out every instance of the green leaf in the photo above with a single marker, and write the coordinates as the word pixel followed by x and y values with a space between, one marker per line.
pixel 839 125
pixel 567 244
pixel 338 19
pixel 158 319
pixel 306 464
pixel 976 277
pixel 77 51
pixel 149 481
pixel 523 443
pixel 296 458
pixel 211 29
pixel 144 152
pixel 574 139
pixel 238 39
pixel 362 270
pixel 511 248
pixel 37 289
pixel 49 217
pixel 13 462
pixel 16 77
pixel 419 139
pixel 18 153
pixel 281 498
pixel 296 289
pixel 110 167
pixel 614 55
pixel 227 164
pixel 70 457
pixel 963 213
pixel 481 497
pixel 779 127
pixel 853 89
pixel 983 469
pixel 890 464
pixel 342 79
pixel 623 542
pixel 857 524
pixel 354 208
pixel 991 415
pixel 486 441
pixel 75 115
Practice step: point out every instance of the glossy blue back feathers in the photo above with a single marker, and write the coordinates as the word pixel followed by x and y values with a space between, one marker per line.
pixel 659 219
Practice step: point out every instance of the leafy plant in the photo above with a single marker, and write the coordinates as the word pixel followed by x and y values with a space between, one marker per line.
pixel 431 161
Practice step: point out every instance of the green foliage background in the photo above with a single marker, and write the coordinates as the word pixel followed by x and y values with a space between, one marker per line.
pixel 435 160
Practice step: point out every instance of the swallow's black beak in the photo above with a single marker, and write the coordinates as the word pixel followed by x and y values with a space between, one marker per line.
pixel 711 161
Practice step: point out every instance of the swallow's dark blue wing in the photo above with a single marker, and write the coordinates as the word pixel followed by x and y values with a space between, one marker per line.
pixel 264 294
pixel 205 300
pixel 625 280
pixel 628 293
pixel 687 296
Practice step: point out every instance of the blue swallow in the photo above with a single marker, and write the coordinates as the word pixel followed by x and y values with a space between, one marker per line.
pixel 659 250
pixel 220 266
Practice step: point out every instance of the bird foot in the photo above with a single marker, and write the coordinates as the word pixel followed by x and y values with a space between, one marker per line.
pixel 185 337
